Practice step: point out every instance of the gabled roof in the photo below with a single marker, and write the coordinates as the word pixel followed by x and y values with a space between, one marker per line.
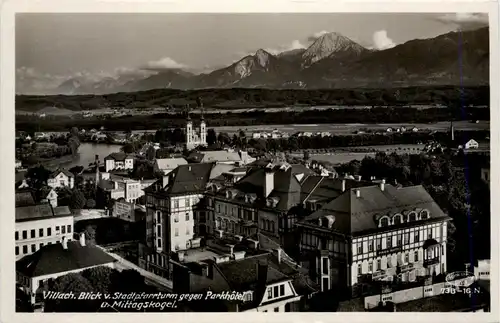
pixel 322 188
pixel 25 197
pixel 170 163
pixel 119 156
pixel 356 215
pixel 51 259
pixel 190 178
pixel 215 156
pixel 33 212
pixel 64 171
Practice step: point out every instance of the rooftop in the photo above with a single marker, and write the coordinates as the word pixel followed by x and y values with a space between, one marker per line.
pixel 170 163
pixel 64 171
pixel 119 156
pixel 51 259
pixel 39 212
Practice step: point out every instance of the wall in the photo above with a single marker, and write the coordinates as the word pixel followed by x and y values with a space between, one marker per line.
pixel 39 241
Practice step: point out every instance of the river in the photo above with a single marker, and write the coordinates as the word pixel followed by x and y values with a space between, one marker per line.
pixel 86 155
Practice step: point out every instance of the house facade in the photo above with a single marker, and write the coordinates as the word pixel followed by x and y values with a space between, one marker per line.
pixel 118 161
pixel 61 178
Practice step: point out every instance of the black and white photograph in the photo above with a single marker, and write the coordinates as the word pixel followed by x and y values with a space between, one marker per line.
pixel 267 162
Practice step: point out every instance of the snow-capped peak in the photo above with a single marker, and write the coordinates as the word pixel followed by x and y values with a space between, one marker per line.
pixel 328 44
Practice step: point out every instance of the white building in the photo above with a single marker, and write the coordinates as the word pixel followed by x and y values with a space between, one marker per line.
pixel 123 187
pixel 34 271
pixel 471 144
pixel 166 165
pixel 350 238
pixel 61 178
pixel 39 225
pixel 119 161
pixel 195 138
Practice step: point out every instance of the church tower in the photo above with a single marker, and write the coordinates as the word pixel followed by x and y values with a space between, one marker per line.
pixel 203 128
pixel 189 132
pixel 452 132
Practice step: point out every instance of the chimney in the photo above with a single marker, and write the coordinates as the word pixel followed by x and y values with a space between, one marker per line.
pixel 82 239
pixel 231 249
pixel 64 243
pixel 358 178
pixel 189 168
pixel 358 192
pixel 279 254
pixel 382 185
pixel 343 185
pixel 269 183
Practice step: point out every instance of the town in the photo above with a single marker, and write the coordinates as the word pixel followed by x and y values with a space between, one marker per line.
pixel 190 211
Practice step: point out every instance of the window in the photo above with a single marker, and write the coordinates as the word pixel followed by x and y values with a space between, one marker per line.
pixel 416 256
pixel 442 250
pixel 49 232
pixel 57 228
pixel 407 238
pixel 17 235
pixel 158 231
pixel 158 216
pixel 188 202
pixel 176 218
pixel 17 251
pixel 40 232
pixel 417 236
pixel 282 290
pixel 407 258
pixel 397 219
pixel 25 250
pixel 389 242
pixel 187 216
pixel 325 266
pixel 400 240
pixel 370 267
pixel 429 233
pixel 276 309
pixel 33 248
pixel 69 228
pixel 176 232
pixel 159 243
pixel 384 222
pixel 359 269
pixel 360 247
pixel 32 233
pixel 176 203
pixel 269 292
pixel 370 245
pixel 218 208
pixel 25 234
pixel 379 243
pixel 187 231
pixel 63 229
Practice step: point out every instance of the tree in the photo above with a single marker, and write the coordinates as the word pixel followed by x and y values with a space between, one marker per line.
pixel 306 155
pixel 128 148
pixel 38 176
pixel 150 153
pixel 74 131
pixel 99 278
pixel 78 200
pixel 70 283
pixel 76 170
pixel 211 136
pixel 90 233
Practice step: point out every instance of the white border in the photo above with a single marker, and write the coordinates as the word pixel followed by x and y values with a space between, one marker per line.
pixel 7 124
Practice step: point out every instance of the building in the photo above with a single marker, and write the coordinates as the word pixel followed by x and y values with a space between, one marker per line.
pixel 47 195
pixel 38 225
pixel 166 165
pixel 221 157
pixel 195 138
pixel 118 187
pixel 129 212
pixel 118 161
pixel 61 178
pixel 471 144
pixel 377 232
pixel 267 281
pixel 171 213
pixel 34 272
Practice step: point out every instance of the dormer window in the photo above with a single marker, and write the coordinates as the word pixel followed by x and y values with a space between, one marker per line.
pixel 384 222
pixel 398 219
pixel 412 216
pixel 424 215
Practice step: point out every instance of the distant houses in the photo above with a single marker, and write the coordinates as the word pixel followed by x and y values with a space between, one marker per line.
pixel 119 161
pixel 61 178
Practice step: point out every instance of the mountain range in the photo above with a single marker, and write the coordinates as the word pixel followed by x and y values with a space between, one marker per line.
pixel 331 61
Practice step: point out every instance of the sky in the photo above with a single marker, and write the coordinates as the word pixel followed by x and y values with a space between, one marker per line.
pixel 51 48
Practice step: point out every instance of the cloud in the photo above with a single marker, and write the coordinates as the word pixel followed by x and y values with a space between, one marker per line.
pixel 317 35
pixel 465 20
pixel 381 41
pixel 296 44
pixel 164 63
pixel 31 81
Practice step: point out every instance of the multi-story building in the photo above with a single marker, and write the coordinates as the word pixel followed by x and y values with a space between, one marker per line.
pixel 268 281
pixel 61 178
pixel 171 211
pixel 119 161
pixel 39 225
pixel 377 232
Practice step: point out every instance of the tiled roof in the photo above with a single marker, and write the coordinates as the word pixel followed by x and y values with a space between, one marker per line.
pixel 357 214
pixel 61 210
pixel 33 212
pixel 52 259
pixel 215 156
pixel 170 163
pixel 322 188
pixel 188 178
pixel 120 156
pixel 25 197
